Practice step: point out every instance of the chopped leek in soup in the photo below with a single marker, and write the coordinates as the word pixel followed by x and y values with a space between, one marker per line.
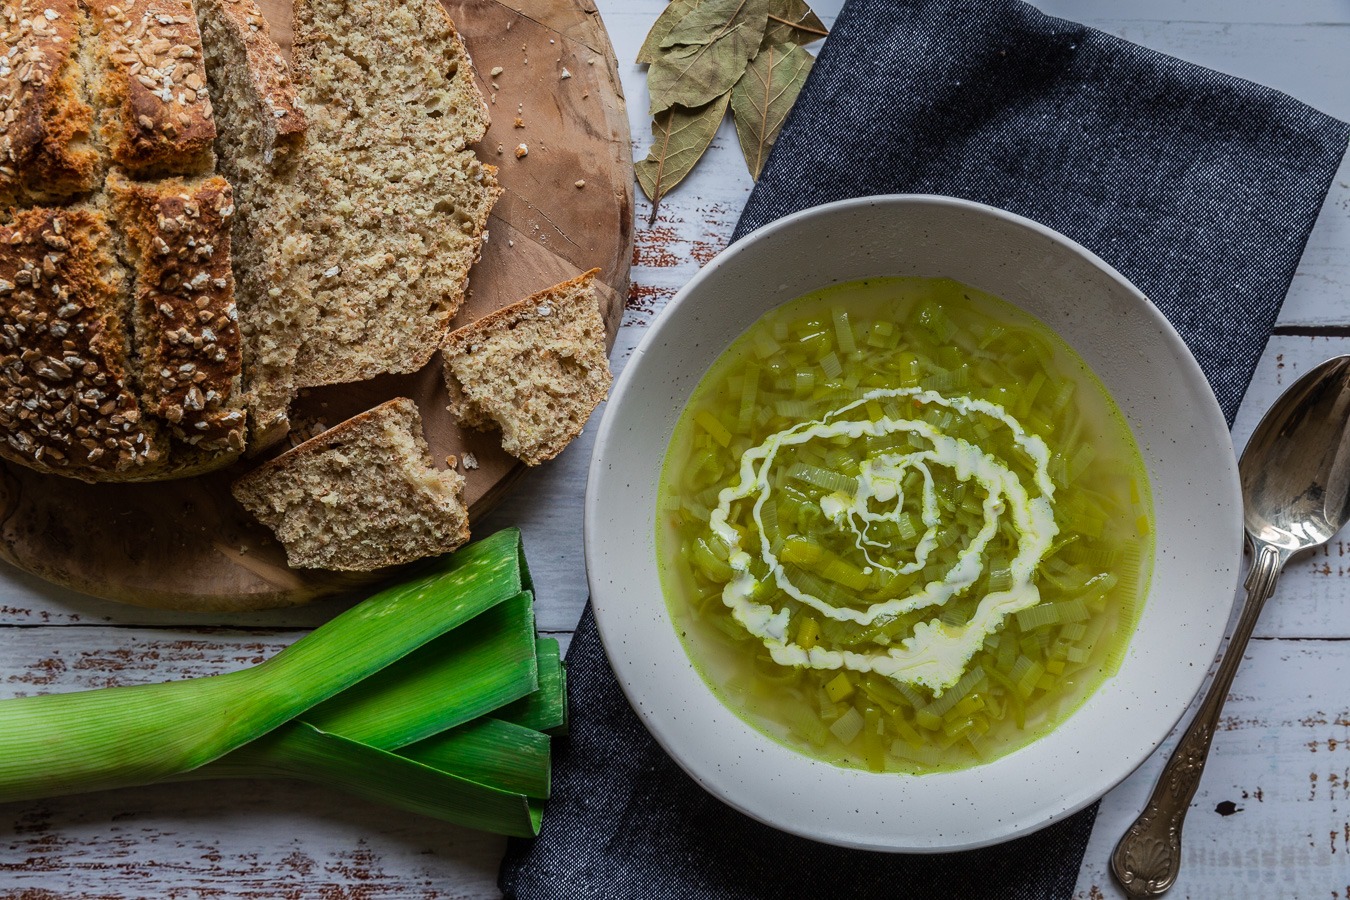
pixel 903 527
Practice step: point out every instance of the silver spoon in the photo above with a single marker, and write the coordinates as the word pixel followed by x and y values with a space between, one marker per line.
pixel 1295 477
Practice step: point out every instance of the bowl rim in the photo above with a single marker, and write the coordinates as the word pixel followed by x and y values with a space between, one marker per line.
pixel 1216 429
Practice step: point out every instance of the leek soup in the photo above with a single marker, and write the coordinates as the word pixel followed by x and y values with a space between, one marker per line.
pixel 903 527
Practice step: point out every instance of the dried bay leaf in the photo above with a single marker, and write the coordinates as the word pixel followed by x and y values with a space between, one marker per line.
pixel 711 18
pixel 680 136
pixel 669 18
pixel 762 98
pixel 704 56
pixel 705 53
pixel 792 22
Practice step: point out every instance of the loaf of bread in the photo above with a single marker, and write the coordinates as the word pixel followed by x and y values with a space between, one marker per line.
pixel 353 245
pixel 347 245
pixel 535 369
pixel 360 496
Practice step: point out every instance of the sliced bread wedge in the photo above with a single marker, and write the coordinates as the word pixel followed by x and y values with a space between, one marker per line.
pixel 535 369
pixel 262 129
pixel 360 496
pixel 395 202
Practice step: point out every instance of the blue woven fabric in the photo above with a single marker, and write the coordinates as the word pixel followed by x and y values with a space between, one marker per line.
pixel 1200 188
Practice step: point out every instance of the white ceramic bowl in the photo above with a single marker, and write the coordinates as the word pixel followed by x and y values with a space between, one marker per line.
pixel 1144 365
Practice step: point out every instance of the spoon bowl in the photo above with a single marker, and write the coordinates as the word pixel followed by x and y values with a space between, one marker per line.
pixel 1295 476
pixel 1295 471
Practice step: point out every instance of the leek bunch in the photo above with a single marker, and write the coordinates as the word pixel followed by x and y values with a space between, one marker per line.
pixel 433 695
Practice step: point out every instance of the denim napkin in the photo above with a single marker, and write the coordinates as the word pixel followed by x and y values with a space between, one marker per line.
pixel 1200 188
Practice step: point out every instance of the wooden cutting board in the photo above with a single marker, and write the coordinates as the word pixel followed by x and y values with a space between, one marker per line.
pixel 567 207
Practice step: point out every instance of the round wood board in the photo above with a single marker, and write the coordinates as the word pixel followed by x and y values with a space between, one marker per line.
pixel 187 544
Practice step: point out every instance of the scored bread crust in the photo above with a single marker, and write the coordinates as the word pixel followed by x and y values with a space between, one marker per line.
pixel 362 495
pixel 535 369
pixel 178 236
pixel 155 116
pixel 45 152
pixel 76 398
pixel 67 402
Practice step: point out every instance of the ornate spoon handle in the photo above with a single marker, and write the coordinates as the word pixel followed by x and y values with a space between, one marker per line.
pixel 1148 856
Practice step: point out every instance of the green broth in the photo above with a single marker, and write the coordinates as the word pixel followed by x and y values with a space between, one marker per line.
pixel 902 527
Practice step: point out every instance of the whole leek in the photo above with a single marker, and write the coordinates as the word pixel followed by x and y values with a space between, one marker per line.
pixel 413 665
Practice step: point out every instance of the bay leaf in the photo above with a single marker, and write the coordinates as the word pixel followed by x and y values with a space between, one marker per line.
pixel 712 17
pixel 762 98
pixel 669 18
pixel 706 53
pixel 792 22
pixel 679 138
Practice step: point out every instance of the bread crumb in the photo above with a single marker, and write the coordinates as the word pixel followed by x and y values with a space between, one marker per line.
pixel 451 461
pixel 520 123
pixel 501 149
pixel 497 70
pixel 470 461
pixel 565 74
pixel 591 61
pixel 522 151
pixel 579 183
pixel 510 243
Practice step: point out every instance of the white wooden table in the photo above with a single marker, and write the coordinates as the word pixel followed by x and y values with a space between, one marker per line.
pixel 1271 819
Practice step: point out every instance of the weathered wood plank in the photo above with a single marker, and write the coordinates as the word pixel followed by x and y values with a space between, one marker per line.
pixel 1272 813
pixel 244 839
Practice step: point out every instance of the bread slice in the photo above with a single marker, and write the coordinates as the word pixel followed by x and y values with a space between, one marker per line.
pixel 176 235
pixel 45 148
pixel 262 128
pixel 536 369
pixel 150 86
pixel 396 204
pixel 360 496
pixel 68 403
